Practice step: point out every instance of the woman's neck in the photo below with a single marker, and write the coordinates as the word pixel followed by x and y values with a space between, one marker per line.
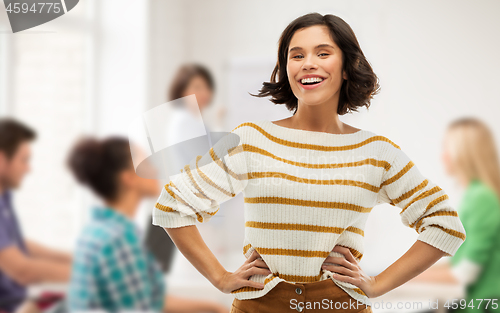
pixel 322 118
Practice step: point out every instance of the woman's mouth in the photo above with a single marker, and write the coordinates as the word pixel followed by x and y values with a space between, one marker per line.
pixel 311 85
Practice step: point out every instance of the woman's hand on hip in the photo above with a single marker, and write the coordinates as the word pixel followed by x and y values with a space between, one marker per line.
pixel 240 278
pixel 348 270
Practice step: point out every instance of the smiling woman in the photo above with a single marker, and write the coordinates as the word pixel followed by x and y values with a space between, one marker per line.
pixel 325 47
pixel 304 235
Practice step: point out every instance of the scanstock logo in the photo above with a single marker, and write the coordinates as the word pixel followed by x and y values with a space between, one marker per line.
pixel 25 14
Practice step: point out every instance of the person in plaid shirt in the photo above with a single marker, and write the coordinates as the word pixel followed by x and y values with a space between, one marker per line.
pixel 112 269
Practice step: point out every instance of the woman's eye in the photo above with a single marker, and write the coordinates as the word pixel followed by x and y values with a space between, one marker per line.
pixel 297 56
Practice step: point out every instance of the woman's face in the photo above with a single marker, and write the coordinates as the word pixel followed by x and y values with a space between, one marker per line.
pixel 313 52
pixel 200 88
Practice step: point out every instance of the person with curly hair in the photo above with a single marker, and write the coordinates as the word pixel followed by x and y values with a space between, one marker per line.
pixel 113 270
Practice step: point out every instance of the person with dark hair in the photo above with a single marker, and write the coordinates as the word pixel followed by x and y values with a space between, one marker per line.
pixel 22 262
pixel 310 182
pixel 192 78
pixel 185 120
pixel 113 270
pixel 186 123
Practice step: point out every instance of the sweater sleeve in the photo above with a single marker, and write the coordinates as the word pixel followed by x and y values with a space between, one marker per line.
pixel 197 191
pixel 424 206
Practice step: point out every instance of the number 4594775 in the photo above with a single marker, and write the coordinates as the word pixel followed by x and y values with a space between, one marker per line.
pixel 463 303
pixel 35 7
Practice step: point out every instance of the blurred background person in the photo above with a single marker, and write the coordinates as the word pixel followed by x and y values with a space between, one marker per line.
pixel 22 262
pixel 187 120
pixel 113 270
pixel 189 132
pixel 470 156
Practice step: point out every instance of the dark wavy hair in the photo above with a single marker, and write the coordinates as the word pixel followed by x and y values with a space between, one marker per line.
pixel 97 163
pixel 357 91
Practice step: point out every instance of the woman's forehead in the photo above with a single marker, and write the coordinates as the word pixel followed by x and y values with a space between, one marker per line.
pixel 311 37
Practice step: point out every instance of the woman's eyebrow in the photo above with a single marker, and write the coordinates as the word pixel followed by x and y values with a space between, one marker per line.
pixel 324 45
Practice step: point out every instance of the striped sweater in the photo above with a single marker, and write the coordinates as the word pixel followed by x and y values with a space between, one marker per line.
pixel 304 193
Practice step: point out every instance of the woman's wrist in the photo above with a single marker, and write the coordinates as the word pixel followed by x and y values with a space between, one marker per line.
pixel 377 289
pixel 218 278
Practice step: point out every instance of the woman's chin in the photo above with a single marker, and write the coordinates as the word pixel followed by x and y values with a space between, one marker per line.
pixel 313 100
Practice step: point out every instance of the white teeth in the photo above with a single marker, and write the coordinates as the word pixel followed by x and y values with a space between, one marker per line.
pixel 311 80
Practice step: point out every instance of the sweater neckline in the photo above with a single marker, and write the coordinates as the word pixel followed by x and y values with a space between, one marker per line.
pixel 314 138
pixel 311 132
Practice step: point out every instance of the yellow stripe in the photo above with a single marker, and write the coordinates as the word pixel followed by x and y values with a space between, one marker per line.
pixel 379 163
pixel 342 182
pixel 322 204
pixel 438 213
pixel 410 193
pixel 164 208
pixel 303 227
pixel 247 288
pixel 311 146
pixel 421 196
pixel 246 247
pixel 218 161
pixel 353 251
pixel 173 195
pixel 448 231
pixel 293 252
pixel 360 291
pixel 356 230
pixel 188 171
pixel 399 174
pixel 208 180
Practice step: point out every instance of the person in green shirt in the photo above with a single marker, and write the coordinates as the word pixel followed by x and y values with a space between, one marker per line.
pixel 470 156
pixel 480 213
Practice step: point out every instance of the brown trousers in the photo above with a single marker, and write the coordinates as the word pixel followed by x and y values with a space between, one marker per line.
pixel 323 296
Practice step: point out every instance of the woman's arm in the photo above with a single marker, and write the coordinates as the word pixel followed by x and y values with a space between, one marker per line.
pixel 424 207
pixel 190 243
pixel 416 260
pixel 195 195
pixel 437 273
